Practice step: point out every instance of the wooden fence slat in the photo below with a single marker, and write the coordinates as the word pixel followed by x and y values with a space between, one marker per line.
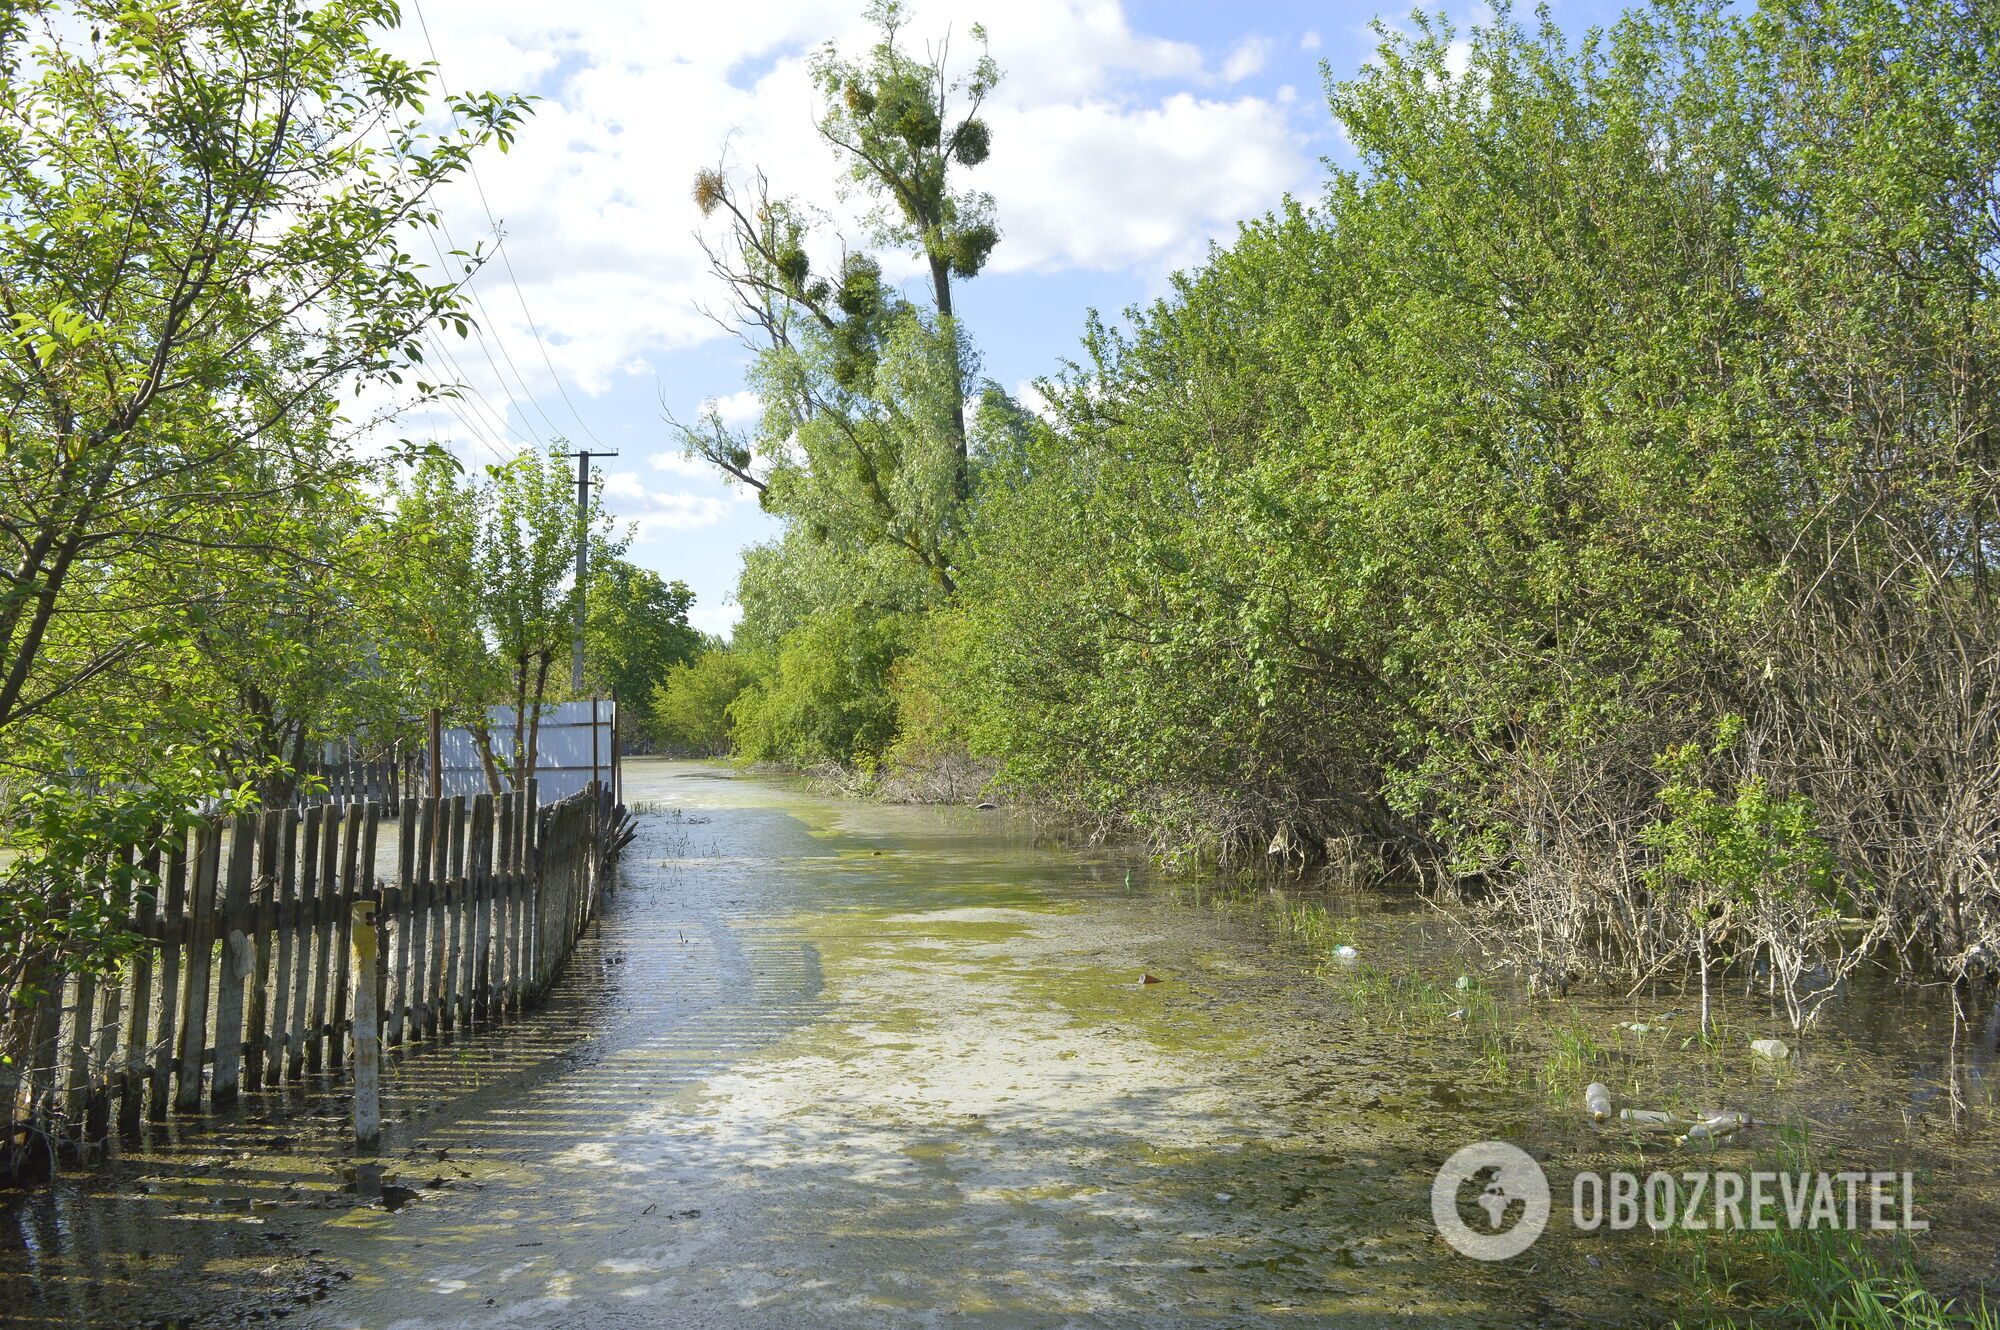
pixel 351 884
pixel 530 907
pixel 480 869
pixel 235 962
pixel 200 960
pixel 138 1028
pixel 397 906
pixel 257 1042
pixel 81 1008
pixel 166 1030
pixel 323 959
pixel 367 1049
pixel 509 918
pixel 549 873
pixel 312 829
pixel 418 911
pixel 283 950
pixel 104 1055
pixel 457 907
pixel 382 895
pixel 437 878
pixel 45 1062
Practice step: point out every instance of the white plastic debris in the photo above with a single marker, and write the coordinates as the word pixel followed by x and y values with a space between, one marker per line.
pixel 1650 1117
pixel 1345 952
pixel 1775 1049
pixel 1715 1128
pixel 1597 1099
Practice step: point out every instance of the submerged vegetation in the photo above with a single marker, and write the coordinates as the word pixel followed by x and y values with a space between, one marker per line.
pixel 1585 507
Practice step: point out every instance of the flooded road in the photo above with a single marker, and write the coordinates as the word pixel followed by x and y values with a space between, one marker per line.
pixel 856 1065
pixel 827 1063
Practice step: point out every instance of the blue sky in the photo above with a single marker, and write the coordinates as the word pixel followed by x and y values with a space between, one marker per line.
pixel 1127 136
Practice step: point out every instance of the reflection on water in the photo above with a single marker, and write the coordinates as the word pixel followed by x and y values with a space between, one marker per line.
pixel 835 1063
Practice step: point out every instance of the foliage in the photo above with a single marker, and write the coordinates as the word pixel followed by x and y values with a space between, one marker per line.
pixel 825 694
pixel 491 605
pixel 200 216
pixel 690 705
pixel 203 211
pixel 1627 386
pixel 638 631
pixel 874 427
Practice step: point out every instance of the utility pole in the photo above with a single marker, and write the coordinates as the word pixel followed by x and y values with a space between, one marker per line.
pixel 582 456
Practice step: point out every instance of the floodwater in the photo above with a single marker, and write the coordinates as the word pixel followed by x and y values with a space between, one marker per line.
pixel 828 1063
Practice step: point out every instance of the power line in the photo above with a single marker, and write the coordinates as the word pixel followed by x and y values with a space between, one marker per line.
pixel 500 248
pixel 469 398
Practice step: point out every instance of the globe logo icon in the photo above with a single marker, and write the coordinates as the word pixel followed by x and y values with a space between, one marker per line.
pixel 1507 1185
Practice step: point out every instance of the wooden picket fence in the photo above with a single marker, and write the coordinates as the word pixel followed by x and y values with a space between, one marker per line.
pixel 247 982
pixel 356 782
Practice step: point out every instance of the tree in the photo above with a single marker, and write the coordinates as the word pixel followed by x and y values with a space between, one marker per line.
pixel 202 212
pixel 201 207
pixel 892 121
pixel 434 640
pixel 638 631
pixel 690 705
pixel 864 431
pixel 528 537
pixel 294 637
pixel 488 605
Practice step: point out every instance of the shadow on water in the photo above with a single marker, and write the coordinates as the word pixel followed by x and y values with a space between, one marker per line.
pixel 835 1063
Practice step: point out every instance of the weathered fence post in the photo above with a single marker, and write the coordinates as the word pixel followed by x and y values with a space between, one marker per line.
pixel 323 906
pixel 172 922
pixel 367 1045
pixel 131 1089
pixel 194 979
pixel 237 962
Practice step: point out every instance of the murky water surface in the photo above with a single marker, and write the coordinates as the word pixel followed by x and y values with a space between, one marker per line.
pixel 831 1063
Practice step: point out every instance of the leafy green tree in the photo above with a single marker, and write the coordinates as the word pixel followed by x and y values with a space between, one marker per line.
pixel 825 693
pixel 901 125
pixel 292 631
pixel 638 631
pixel 489 607
pixel 203 207
pixel 864 437
pixel 1626 385
pixel 201 210
pixel 690 704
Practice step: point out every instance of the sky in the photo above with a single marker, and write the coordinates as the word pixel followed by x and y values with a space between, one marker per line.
pixel 1127 137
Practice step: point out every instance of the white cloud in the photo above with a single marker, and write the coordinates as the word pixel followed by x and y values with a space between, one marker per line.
pixel 654 511
pixel 1072 171
pixel 1245 59
pixel 1030 397
pixel 1310 41
pixel 738 409
pixel 718 619
pixel 678 464
pixel 1099 162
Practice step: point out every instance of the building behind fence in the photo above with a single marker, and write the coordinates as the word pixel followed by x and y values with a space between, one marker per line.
pixel 575 744
pixel 246 977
